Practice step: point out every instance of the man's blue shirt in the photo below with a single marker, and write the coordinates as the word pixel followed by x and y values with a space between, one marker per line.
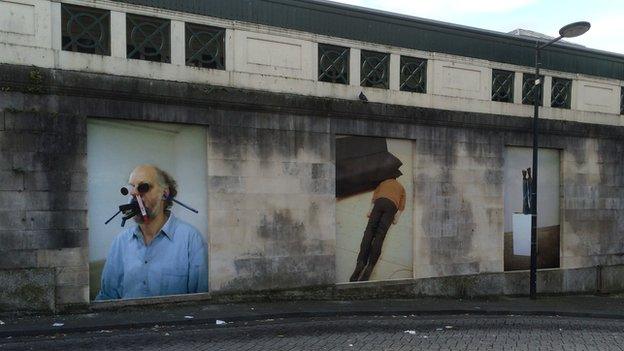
pixel 175 262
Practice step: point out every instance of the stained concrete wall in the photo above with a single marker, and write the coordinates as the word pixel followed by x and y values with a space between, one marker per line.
pixel 593 202
pixel 459 221
pixel 43 206
pixel 271 196
pixel 271 182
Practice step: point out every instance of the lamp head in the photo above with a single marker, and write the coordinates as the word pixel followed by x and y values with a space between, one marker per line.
pixel 574 29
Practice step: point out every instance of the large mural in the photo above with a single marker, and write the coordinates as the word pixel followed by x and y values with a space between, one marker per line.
pixel 129 261
pixel 517 227
pixel 373 209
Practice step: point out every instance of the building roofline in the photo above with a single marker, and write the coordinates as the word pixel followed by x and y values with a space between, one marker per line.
pixel 386 28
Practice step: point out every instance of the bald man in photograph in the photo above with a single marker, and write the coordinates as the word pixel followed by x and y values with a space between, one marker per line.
pixel 161 254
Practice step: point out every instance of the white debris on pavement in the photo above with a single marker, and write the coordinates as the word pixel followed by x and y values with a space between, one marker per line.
pixel 413 332
pixel 1 323
pixel 219 322
pixel 188 317
pixel 58 324
pixel 438 329
pixel 449 327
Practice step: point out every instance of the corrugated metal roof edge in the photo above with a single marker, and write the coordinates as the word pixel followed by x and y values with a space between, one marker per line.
pixel 453 26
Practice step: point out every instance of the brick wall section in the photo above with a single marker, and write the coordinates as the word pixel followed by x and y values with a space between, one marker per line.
pixel 43 205
pixel 272 218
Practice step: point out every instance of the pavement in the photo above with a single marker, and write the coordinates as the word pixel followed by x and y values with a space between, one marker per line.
pixel 211 314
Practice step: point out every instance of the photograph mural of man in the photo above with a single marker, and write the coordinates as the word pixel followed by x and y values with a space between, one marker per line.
pixel 371 242
pixel 162 254
pixel 162 251
pixel 387 204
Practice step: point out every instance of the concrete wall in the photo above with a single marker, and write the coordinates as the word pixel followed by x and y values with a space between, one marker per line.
pixel 271 196
pixel 271 181
pixel 43 227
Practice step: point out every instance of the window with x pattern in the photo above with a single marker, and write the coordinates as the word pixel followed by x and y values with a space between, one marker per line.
pixel 375 67
pixel 622 100
pixel 333 64
pixel 85 29
pixel 413 74
pixel 502 85
pixel 205 46
pixel 148 38
pixel 561 93
pixel 530 91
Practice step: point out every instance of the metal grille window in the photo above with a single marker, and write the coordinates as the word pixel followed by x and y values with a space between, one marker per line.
pixel 333 64
pixel 561 93
pixel 85 29
pixel 205 46
pixel 148 38
pixel 529 89
pixel 622 100
pixel 502 85
pixel 375 69
pixel 413 74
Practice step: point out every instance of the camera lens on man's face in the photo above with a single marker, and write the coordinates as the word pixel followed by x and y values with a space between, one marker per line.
pixel 143 188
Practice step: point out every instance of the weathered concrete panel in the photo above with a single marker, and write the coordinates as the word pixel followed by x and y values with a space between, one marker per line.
pixel 42 203
pixel 27 289
pixel 272 208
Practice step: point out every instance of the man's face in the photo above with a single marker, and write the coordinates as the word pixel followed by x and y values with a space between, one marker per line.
pixel 153 197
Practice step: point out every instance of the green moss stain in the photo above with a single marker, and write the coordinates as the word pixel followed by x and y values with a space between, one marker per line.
pixel 35 82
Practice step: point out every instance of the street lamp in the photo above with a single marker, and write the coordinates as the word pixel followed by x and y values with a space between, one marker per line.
pixel 568 31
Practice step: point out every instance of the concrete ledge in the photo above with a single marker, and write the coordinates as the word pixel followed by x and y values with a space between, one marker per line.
pixel 550 282
pixel 606 279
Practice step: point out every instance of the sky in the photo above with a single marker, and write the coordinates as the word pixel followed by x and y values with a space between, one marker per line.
pixel 544 16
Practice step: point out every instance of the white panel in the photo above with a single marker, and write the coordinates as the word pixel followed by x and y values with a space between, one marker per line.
pixel 395 68
pixel 17 18
pixel 461 80
pixel 273 55
pixel 118 34
pixel 521 234
pixel 598 97
pixel 355 56
pixel 178 49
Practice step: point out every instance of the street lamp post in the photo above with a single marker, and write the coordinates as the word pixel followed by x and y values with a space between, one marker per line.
pixel 568 31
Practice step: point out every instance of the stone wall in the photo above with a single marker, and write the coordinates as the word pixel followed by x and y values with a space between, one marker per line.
pixel 271 196
pixel 271 181
pixel 43 227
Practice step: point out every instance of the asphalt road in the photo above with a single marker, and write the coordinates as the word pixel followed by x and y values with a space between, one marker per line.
pixel 356 333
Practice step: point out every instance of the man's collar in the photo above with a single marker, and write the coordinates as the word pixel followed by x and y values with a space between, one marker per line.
pixel 167 229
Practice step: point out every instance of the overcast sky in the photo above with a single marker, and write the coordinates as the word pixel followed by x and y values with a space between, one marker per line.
pixel 544 16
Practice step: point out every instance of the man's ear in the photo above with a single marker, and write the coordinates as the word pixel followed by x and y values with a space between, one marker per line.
pixel 166 194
